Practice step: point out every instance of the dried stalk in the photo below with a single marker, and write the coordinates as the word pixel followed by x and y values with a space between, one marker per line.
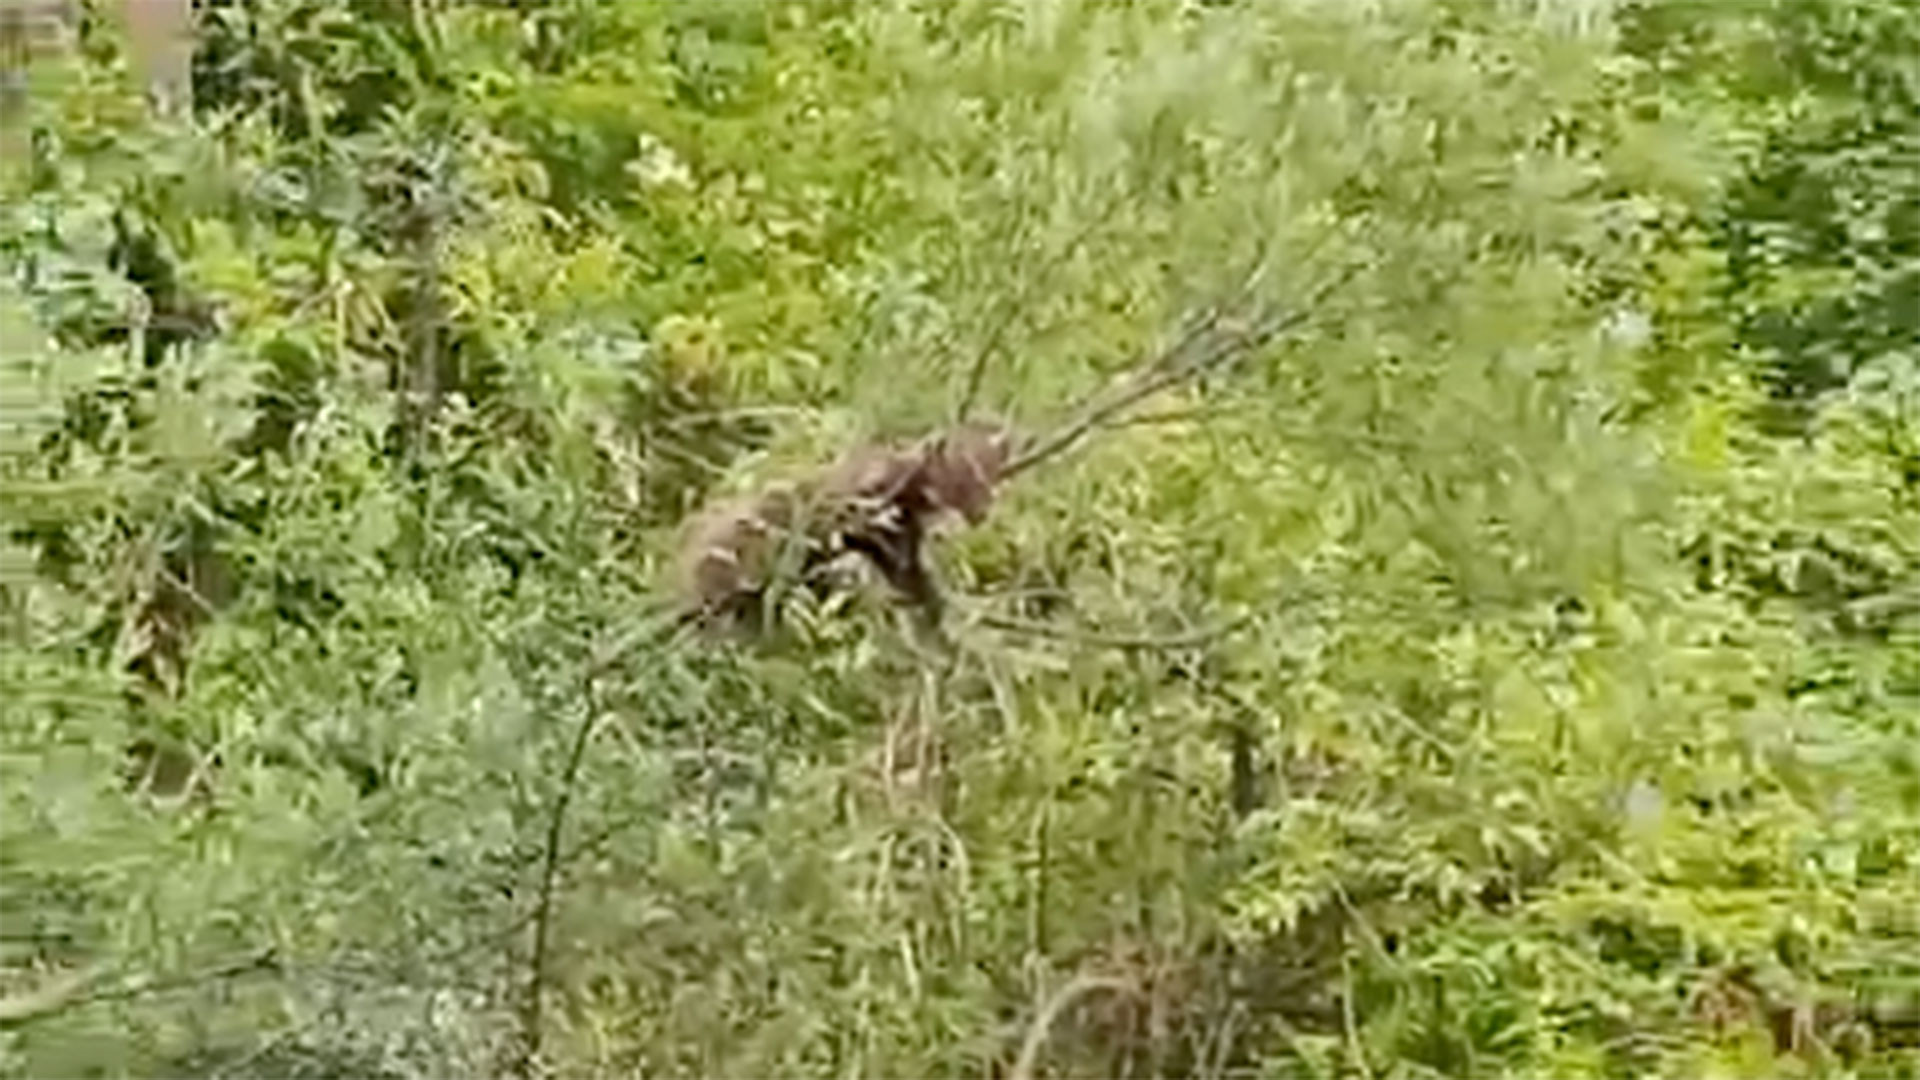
pixel 1076 988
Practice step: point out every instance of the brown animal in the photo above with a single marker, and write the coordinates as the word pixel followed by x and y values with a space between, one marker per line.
pixel 880 502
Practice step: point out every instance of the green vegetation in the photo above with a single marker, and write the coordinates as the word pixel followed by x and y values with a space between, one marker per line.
pixel 1512 671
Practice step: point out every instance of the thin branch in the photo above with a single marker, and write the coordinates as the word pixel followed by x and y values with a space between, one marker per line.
pixel 543 907
pixel 1191 355
pixel 1167 369
pixel 963 868
pixel 200 601
pixel 489 939
pixel 668 448
pixel 1223 1041
pixel 1077 987
pixel 692 417
pixel 1185 640
pixel 1093 413
pixel 1180 415
pixel 977 370
pixel 1347 1019
pixel 72 989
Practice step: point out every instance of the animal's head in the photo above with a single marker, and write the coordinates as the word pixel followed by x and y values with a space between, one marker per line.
pixel 964 466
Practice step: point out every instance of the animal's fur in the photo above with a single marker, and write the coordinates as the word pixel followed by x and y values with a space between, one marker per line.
pixel 879 501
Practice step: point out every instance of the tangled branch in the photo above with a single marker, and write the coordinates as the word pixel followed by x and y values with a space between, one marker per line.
pixel 1213 339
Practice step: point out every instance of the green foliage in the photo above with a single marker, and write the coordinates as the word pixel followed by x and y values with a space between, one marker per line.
pixel 1477 681
pixel 1819 223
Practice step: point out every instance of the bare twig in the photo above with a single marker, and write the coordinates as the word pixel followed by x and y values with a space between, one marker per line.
pixel 1185 640
pixel 691 417
pixel 1210 340
pixel 543 908
pixel 1165 370
pixel 549 871
pixel 1077 987
pixel 963 868
pixel 1348 1018
pixel 1223 1041
pixel 668 448
pixel 977 369
pixel 419 375
pixel 199 600
pixel 1349 1021
pixel 1096 410
pixel 77 988
pixel 1179 416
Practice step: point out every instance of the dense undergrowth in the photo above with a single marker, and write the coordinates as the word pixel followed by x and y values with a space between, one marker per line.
pixel 1513 672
